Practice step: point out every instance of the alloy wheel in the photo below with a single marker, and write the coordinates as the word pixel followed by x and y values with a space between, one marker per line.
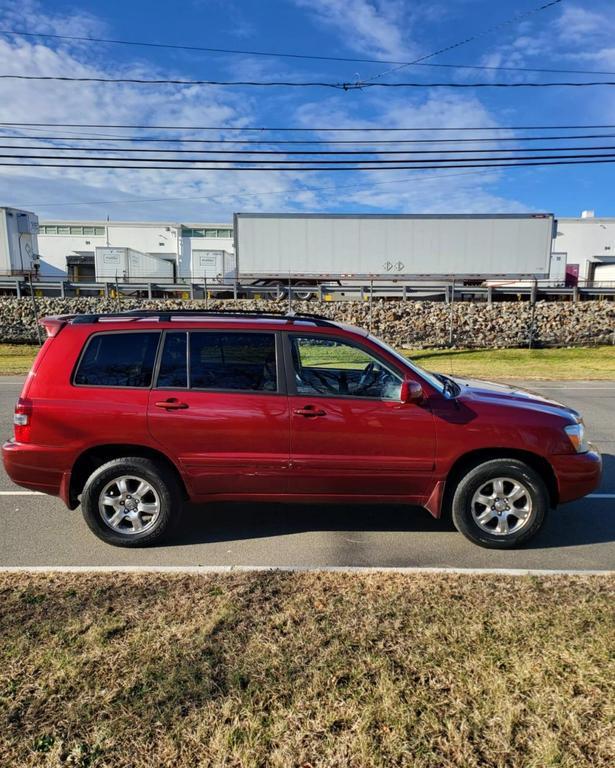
pixel 129 504
pixel 502 506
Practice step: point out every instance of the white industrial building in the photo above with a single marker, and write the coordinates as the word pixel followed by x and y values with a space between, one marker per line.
pixel 83 250
pixel 586 245
pixel 88 251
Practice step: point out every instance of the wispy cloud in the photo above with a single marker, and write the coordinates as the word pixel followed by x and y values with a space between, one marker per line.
pixel 58 102
pixel 373 27
pixel 408 191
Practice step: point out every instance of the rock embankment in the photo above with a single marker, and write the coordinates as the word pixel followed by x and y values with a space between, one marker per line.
pixel 403 324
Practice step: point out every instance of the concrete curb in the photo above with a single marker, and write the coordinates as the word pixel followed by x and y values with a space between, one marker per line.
pixel 222 569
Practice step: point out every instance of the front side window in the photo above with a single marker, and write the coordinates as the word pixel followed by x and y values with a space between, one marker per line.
pixel 330 367
pixel 118 360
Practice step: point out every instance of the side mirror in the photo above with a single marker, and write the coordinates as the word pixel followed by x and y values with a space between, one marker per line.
pixel 411 391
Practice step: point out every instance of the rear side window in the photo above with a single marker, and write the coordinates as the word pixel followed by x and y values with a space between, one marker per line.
pixel 219 361
pixel 173 371
pixel 243 361
pixel 118 360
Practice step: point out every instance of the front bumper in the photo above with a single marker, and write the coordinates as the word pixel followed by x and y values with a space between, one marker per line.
pixel 577 474
pixel 36 467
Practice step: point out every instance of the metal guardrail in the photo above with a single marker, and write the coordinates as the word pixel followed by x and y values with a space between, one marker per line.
pixel 20 286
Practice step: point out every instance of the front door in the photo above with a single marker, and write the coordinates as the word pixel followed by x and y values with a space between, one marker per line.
pixel 350 434
pixel 218 407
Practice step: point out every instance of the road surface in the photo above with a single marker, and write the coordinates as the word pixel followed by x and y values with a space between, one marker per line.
pixel 40 531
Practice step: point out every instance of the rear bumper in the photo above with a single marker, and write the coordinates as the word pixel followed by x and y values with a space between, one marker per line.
pixel 577 474
pixel 36 467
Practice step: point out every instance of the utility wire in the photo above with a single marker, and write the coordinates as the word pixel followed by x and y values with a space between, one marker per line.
pixel 313 129
pixel 300 163
pixel 507 22
pixel 296 84
pixel 287 152
pixel 310 142
pixel 304 168
pixel 285 55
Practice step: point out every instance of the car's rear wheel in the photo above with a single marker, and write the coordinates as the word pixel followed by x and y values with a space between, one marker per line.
pixel 131 502
pixel 500 504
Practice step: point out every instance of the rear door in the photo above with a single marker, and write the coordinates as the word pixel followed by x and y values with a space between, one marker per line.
pixel 350 434
pixel 219 407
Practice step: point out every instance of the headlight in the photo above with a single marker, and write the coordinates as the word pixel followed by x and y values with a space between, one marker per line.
pixel 576 435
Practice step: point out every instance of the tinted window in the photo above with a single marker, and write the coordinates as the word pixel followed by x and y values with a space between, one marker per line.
pixel 328 367
pixel 118 360
pixel 173 365
pixel 243 361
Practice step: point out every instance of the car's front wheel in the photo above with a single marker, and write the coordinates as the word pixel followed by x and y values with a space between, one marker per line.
pixel 500 504
pixel 131 502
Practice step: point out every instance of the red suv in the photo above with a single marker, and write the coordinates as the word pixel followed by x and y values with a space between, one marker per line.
pixel 131 414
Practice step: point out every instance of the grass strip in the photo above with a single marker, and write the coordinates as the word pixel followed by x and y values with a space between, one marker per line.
pixel 509 364
pixel 16 358
pixel 306 669
pixel 501 364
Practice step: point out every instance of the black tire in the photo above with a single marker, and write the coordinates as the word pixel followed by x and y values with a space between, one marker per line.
pixel 307 294
pixel 281 290
pixel 466 508
pixel 165 496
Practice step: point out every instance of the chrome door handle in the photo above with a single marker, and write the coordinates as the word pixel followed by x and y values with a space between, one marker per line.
pixel 172 404
pixel 310 411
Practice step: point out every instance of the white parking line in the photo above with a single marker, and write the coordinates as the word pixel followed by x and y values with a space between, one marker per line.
pixel 21 493
pixel 579 389
pixel 600 496
pixel 212 569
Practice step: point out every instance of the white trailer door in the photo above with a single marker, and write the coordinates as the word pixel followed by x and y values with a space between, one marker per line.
pixel 209 264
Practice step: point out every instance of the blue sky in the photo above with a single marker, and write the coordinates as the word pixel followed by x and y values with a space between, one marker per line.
pixel 570 35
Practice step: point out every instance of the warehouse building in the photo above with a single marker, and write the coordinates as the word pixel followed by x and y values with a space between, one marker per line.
pixel 85 251
pixel 587 246
pixel 170 250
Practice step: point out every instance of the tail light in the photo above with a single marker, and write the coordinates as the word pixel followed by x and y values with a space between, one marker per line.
pixel 22 419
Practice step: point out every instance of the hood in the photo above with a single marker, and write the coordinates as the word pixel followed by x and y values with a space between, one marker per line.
pixel 490 391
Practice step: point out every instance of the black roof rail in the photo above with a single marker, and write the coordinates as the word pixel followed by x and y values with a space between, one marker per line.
pixel 165 315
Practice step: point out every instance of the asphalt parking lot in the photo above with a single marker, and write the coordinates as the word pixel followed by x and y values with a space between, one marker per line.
pixel 39 531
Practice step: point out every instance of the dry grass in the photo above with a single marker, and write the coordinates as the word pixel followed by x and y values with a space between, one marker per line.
pixel 284 670
pixel 509 364
pixel 504 364
pixel 17 358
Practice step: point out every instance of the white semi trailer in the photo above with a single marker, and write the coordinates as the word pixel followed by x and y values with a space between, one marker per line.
pixel 310 249
pixel 128 265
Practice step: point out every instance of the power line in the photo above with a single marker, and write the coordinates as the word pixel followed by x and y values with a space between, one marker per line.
pixel 306 164
pixel 351 129
pixel 287 152
pixel 286 55
pixel 507 22
pixel 363 85
pixel 310 169
pixel 330 142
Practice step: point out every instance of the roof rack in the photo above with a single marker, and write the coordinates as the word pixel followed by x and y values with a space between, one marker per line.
pixel 166 315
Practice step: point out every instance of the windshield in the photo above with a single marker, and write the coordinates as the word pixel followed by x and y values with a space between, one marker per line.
pixel 429 377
